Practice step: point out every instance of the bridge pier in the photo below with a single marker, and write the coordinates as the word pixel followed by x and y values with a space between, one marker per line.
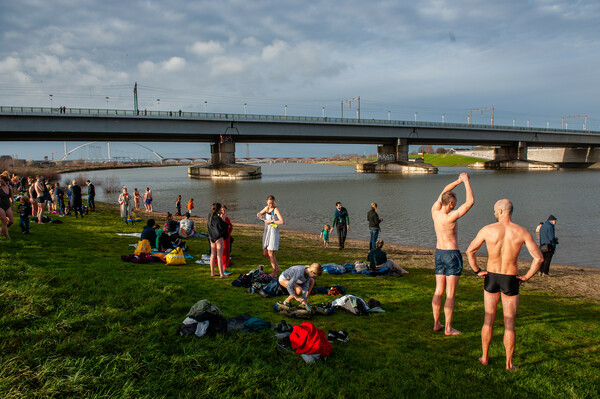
pixel 223 166
pixel 513 157
pixel 393 159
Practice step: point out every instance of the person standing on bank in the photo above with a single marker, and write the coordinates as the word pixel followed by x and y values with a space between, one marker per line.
pixel 448 259
pixel 271 216
pixel 548 243
pixel 374 220
pixel 341 222
pixel 40 187
pixel 6 201
pixel 77 204
pixel 504 241
pixel 217 234
pixel 91 195
pixel 125 205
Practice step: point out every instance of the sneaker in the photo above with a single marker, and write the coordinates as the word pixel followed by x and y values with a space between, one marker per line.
pixel 332 336
pixel 226 272
pixel 342 336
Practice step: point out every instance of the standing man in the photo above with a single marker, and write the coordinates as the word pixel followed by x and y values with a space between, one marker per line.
pixel 448 259
pixel 548 242
pixel 342 222
pixel 76 203
pixel 504 240
pixel 178 206
pixel 40 187
pixel 148 199
pixel 91 195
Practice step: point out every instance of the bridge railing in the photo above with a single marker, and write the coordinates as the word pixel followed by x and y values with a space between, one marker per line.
pixel 278 118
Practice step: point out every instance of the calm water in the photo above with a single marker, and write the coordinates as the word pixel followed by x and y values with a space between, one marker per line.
pixel 306 195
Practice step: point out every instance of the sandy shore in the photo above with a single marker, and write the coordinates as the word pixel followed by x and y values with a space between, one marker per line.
pixel 565 281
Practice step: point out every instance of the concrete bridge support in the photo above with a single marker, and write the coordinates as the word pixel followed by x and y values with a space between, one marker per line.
pixel 223 166
pixel 393 159
pixel 513 157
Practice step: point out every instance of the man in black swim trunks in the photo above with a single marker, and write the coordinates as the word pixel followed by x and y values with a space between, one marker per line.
pixel 504 241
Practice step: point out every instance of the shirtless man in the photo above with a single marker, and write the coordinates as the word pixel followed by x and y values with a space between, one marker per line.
pixel 148 199
pixel 39 187
pixel 504 240
pixel 448 260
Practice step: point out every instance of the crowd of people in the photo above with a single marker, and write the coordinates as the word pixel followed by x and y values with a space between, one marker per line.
pixel 32 196
pixel 504 240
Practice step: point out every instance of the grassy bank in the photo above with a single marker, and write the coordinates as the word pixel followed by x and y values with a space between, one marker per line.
pixel 432 159
pixel 77 321
pixel 448 159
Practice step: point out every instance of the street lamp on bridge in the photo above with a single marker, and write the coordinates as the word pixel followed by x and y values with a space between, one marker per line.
pixel 50 95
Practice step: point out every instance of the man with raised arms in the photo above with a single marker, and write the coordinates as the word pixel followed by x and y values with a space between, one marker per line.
pixel 504 240
pixel 448 259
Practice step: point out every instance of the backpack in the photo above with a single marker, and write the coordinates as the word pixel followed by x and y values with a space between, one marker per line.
pixel 273 289
pixel 244 280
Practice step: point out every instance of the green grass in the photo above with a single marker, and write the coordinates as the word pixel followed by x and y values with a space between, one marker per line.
pixel 76 321
pixel 447 159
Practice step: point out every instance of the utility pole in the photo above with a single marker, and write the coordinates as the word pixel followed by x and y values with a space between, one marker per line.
pixel 135 99
pixel 481 111
pixel 566 119
pixel 349 102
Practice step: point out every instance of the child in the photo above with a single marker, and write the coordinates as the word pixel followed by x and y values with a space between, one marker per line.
pixel 325 235
pixel 178 205
pixel 190 206
pixel 25 211
pixel 299 281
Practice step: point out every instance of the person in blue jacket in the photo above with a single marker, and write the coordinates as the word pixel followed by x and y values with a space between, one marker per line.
pixel 548 243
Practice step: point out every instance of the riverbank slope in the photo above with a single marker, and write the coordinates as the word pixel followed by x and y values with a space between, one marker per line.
pixel 78 321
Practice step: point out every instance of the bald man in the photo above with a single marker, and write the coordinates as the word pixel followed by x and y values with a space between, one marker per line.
pixel 448 259
pixel 504 241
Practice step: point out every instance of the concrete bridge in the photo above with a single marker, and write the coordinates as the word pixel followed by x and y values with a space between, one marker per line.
pixel 224 130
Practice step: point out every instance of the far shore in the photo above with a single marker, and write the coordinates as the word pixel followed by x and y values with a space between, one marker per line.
pixel 566 281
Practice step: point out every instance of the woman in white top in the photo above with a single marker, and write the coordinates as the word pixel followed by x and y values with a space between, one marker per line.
pixel 272 218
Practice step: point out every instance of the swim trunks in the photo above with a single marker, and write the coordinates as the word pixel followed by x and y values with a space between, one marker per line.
pixel 148 201
pixel 448 262
pixel 505 283
pixel 41 199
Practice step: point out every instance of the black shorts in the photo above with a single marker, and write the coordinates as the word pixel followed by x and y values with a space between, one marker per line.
pixel 505 283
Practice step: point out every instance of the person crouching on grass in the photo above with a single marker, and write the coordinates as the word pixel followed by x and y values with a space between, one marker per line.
pixel 299 282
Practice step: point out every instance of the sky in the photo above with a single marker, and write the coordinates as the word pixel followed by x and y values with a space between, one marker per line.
pixel 533 61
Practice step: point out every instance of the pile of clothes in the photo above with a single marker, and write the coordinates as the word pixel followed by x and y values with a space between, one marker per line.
pixel 259 282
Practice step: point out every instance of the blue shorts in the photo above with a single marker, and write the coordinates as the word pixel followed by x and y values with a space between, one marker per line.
pixel 448 262
pixel 148 201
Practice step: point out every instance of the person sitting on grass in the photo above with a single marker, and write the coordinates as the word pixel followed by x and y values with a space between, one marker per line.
pixel 186 226
pixel 378 259
pixel 148 233
pixel 168 240
pixel 299 282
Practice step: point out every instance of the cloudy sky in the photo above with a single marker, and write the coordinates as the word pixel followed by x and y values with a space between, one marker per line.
pixel 535 60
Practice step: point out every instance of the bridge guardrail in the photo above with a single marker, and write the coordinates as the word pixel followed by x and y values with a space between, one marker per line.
pixel 258 117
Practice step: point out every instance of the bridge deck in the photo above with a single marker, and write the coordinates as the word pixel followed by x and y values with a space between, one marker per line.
pixel 78 124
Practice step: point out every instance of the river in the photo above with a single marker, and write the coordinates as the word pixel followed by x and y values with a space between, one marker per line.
pixel 306 195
